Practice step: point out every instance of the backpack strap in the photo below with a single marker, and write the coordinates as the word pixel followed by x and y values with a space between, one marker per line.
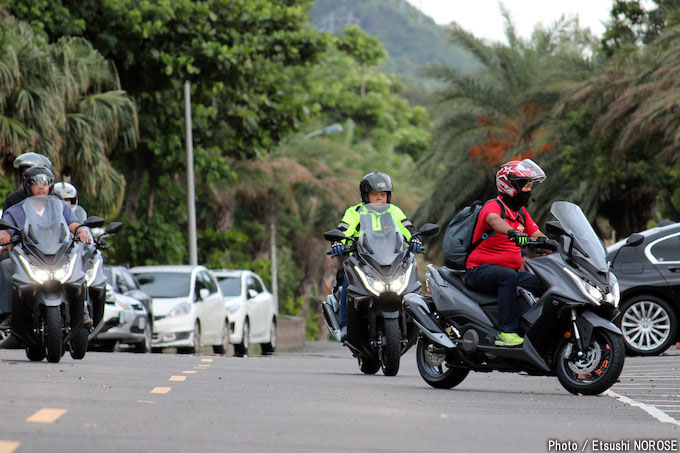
pixel 488 233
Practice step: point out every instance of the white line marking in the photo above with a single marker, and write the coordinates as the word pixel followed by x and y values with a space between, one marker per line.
pixel 651 410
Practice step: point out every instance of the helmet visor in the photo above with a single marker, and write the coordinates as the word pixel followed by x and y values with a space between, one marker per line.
pixel 528 170
pixel 40 180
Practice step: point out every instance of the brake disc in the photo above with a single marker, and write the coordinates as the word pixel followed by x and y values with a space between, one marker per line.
pixel 434 358
pixel 587 364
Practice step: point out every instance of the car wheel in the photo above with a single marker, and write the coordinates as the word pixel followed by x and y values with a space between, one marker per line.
pixel 270 348
pixel 196 348
pixel 224 347
pixel 145 345
pixel 649 325
pixel 241 349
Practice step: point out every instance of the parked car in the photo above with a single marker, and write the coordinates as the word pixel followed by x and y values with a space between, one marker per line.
pixel 251 310
pixel 649 279
pixel 188 307
pixel 125 321
pixel 123 282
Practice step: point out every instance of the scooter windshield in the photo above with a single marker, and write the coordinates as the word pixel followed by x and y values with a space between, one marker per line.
pixel 45 229
pixel 379 233
pixel 586 241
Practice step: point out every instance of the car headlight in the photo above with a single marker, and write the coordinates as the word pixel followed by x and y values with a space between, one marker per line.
pixel 179 310
pixel 592 292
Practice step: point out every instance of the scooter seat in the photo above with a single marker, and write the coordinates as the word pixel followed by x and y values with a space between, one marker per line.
pixel 455 277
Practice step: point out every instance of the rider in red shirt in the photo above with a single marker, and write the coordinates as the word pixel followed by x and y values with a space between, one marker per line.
pixel 494 265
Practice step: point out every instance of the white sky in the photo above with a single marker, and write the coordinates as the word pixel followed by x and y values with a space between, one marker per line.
pixel 483 17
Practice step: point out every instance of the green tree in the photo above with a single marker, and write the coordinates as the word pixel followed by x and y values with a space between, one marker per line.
pixel 366 50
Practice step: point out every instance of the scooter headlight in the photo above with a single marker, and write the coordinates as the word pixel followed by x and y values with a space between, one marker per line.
pixel 374 285
pixel 37 274
pixel 91 273
pixel 614 296
pixel 400 284
pixel 592 292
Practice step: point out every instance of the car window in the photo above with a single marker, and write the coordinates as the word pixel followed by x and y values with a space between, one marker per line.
pixel 667 249
pixel 230 286
pixel 259 282
pixel 122 285
pixel 209 282
pixel 129 280
pixel 251 283
pixel 165 284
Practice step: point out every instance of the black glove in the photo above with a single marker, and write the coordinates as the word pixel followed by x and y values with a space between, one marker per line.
pixel 518 238
pixel 416 245
pixel 338 248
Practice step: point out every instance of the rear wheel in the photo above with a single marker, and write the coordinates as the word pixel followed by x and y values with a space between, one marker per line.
pixel 241 349
pixel 79 343
pixel 224 346
pixel 391 351
pixel 269 348
pixel 649 325
pixel 53 338
pixel 431 360
pixel 369 365
pixel 599 367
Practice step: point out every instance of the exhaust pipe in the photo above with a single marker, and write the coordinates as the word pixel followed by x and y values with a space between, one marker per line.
pixel 329 308
pixel 417 307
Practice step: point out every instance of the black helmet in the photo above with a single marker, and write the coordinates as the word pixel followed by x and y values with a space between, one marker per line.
pixel 375 182
pixel 37 175
pixel 28 160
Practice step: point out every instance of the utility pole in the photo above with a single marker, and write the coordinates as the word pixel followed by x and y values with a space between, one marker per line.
pixel 191 195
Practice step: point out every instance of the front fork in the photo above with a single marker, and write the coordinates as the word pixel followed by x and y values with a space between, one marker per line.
pixel 577 336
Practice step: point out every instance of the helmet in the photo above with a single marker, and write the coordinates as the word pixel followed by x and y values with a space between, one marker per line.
pixel 37 175
pixel 66 191
pixel 512 176
pixel 375 182
pixel 28 160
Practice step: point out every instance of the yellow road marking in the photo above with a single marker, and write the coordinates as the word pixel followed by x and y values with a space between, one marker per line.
pixel 8 446
pixel 202 366
pixel 189 372
pixel 46 415
pixel 160 390
pixel 177 378
pixel 206 360
pixel 145 401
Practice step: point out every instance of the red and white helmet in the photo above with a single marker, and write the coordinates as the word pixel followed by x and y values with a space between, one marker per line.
pixel 515 171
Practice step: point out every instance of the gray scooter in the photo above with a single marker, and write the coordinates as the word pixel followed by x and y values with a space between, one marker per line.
pixel 568 332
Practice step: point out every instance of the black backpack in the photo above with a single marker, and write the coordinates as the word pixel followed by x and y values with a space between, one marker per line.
pixel 458 243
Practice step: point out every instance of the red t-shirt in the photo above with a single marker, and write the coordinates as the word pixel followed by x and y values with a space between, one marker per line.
pixel 499 249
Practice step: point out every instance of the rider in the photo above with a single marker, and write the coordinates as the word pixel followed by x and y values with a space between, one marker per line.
pixel 36 181
pixel 494 265
pixel 375 187
pixel 21 164
pixel 69 194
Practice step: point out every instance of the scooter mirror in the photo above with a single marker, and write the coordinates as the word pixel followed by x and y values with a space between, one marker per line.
pixel 334 235
pixel 429 229
pixel 113 227
pixel 93 222
pixel 635 239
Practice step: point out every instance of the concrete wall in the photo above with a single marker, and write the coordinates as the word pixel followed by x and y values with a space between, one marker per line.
pixel 290 333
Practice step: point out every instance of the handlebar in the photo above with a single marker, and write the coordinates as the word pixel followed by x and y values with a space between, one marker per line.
pixel 540 242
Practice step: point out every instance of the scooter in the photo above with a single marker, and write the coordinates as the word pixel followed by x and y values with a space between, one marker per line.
pixel 380 270
pixel 48 282
pixel 568 332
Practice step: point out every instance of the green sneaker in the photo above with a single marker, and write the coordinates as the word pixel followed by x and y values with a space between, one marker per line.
pixel 509 339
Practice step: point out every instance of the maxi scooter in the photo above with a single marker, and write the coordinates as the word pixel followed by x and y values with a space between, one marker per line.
pixel 568 332
pixel 380 270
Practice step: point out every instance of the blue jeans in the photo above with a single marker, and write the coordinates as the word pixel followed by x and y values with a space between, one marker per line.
pixel 502 282
pixel 343 301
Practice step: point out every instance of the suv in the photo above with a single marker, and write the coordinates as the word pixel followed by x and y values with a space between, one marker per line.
pixel 649 278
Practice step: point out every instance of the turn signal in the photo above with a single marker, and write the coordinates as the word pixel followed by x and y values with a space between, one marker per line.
pixel 567 334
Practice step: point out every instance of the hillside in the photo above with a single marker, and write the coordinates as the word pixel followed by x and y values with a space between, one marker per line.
pixel 412 39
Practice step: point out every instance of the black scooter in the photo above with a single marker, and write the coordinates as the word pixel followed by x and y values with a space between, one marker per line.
pixel 568 332
pixel 48 282
pixel 380 270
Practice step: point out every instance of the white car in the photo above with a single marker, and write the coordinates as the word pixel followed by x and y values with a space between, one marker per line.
pixel 251 310
pixel 188 308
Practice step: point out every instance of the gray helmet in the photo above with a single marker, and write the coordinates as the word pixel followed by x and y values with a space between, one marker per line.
pixel 375 182
pixel 28 160
pixel 67 192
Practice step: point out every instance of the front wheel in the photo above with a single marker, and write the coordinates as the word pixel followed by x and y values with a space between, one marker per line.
pixel 431 360
pixel 79 343
pixel 391 350
pixel 369 365
pixel 53 338
pixel 270 348
pixel 241 349
pixel 598 368
pixel 223 347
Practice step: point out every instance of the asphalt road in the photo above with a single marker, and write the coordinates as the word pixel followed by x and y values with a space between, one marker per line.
pixel 317 399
